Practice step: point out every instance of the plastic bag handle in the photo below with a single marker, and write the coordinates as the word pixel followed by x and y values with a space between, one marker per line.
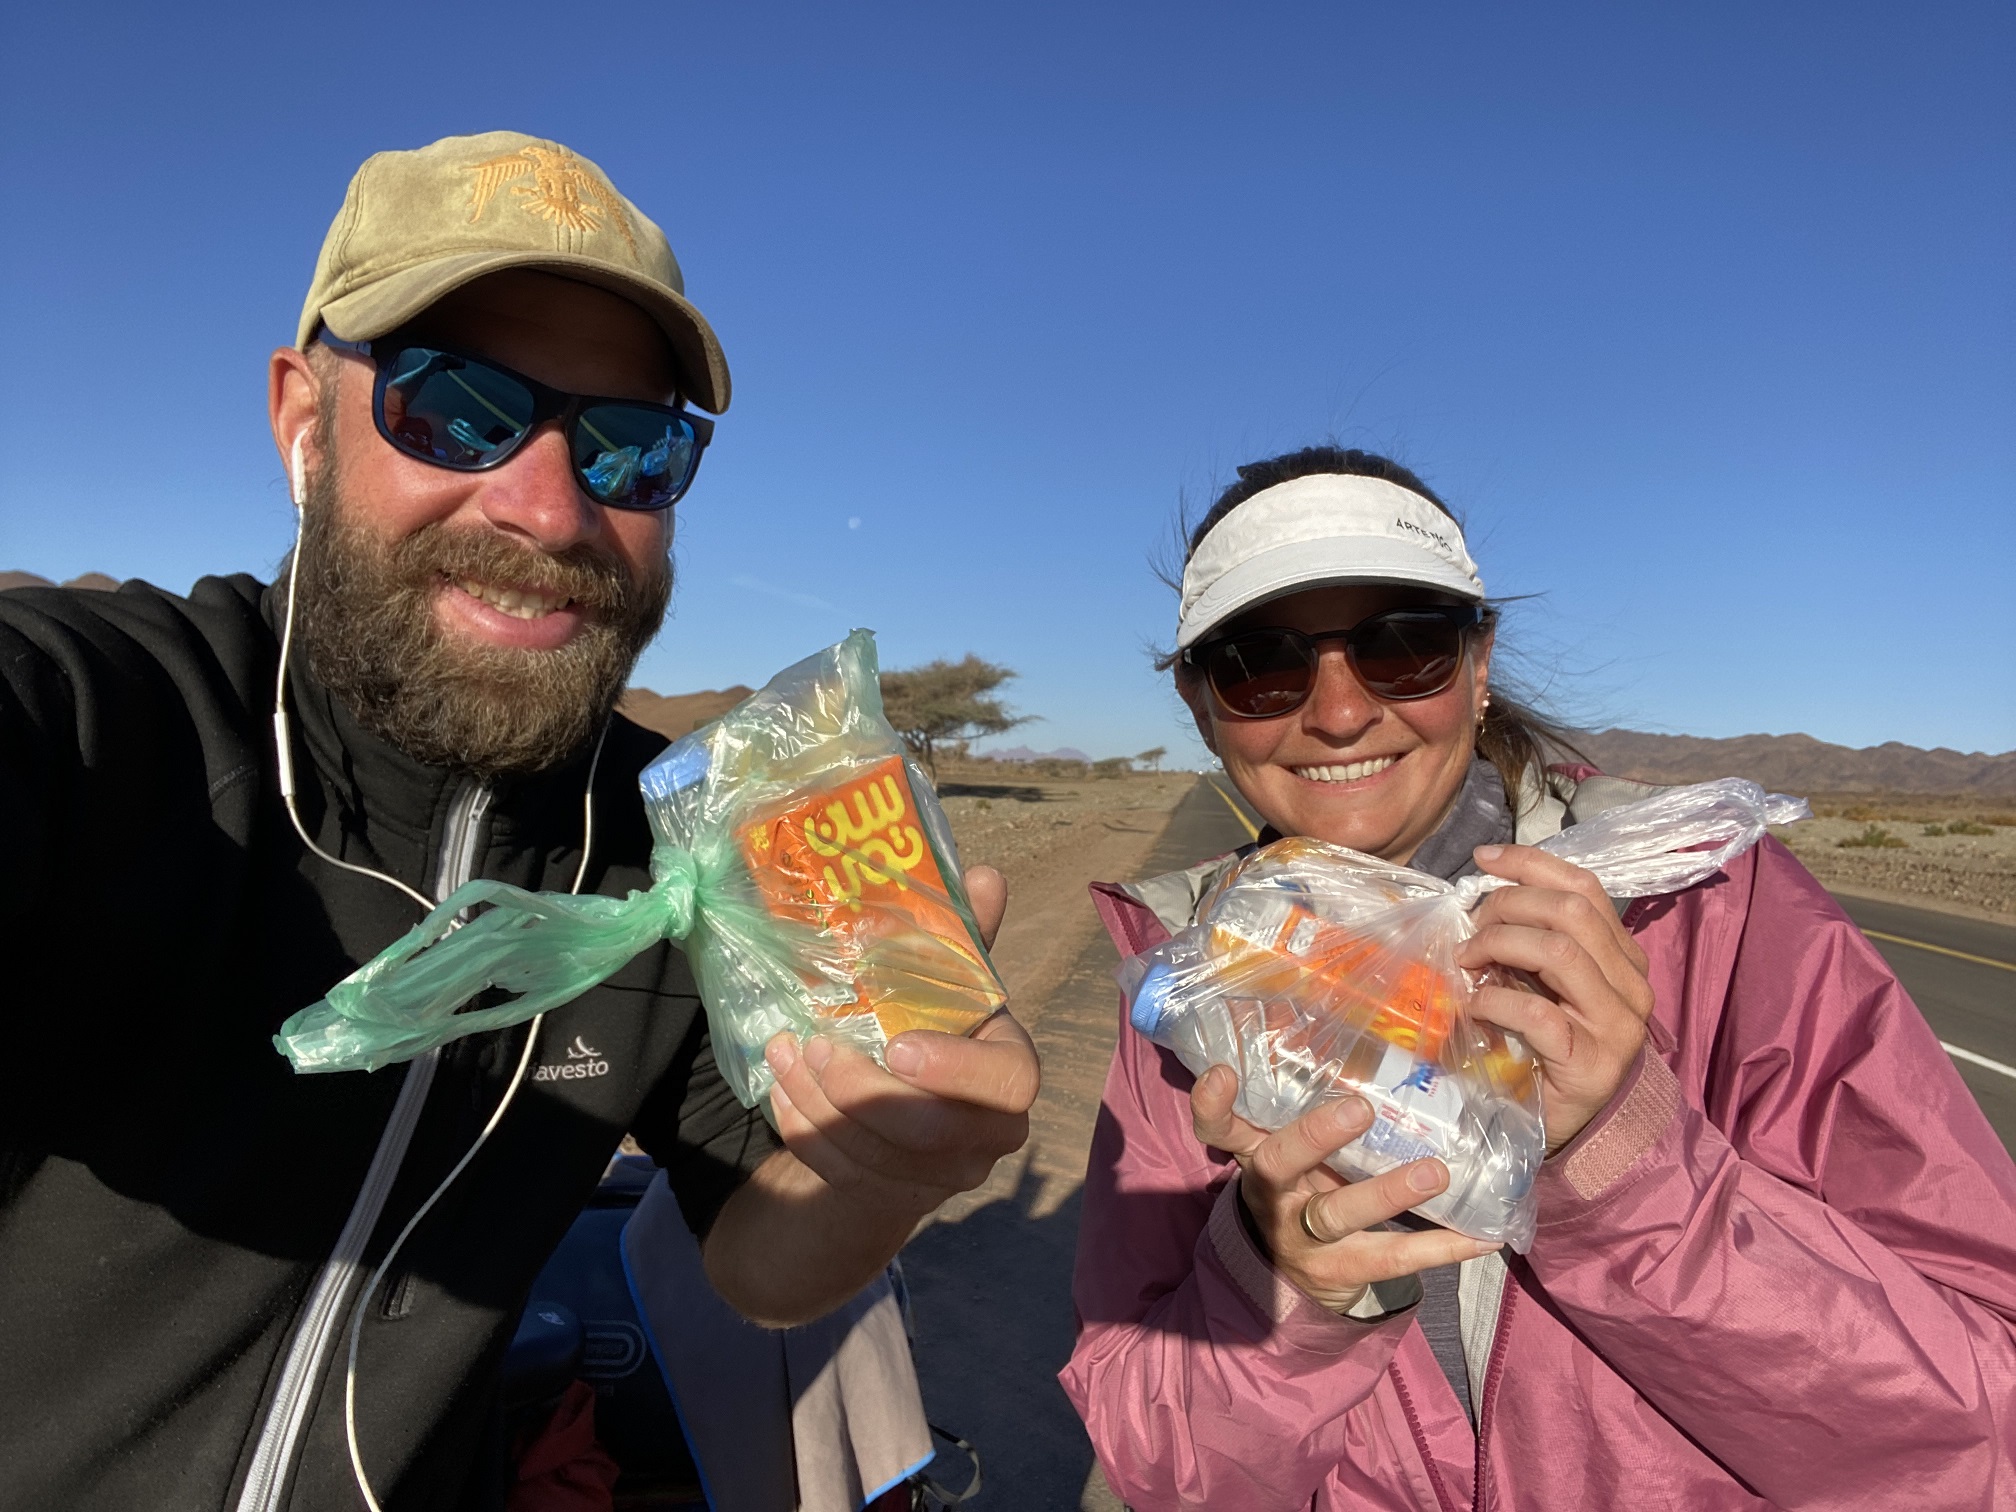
pixel 1664 843
pixel 548 948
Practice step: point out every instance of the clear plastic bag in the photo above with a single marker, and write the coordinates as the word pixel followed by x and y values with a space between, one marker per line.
pixel 802 858
pixel 1317 972
pixel 840 909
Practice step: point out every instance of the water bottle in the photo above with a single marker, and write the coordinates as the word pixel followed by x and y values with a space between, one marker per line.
pixel 1291 1060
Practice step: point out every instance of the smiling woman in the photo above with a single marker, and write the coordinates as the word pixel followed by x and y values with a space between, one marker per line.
pixel 1258 1332
pixel 1420 650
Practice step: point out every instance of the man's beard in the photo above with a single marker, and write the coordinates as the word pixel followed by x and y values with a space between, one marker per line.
pixel 367 617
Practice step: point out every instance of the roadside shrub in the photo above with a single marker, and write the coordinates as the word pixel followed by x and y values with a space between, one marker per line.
pixel 1113 766
pixel 1933 829
pixel 1060 770
pixel 1862 811
pixel 1875 837
pixel 1969 827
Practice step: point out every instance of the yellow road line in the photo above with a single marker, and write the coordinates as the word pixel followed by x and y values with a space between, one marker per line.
pixel 1958 955
pixel 1252 830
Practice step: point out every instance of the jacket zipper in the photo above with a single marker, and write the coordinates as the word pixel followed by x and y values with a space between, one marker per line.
pixel 308 1354
pixel 1489 1396
pixel 1486 1395
pixel 1442 1497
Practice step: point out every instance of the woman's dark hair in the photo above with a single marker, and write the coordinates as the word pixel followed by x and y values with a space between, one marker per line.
pixel 1516 738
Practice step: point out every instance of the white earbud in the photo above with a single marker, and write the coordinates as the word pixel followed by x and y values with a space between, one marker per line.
pixel 300 490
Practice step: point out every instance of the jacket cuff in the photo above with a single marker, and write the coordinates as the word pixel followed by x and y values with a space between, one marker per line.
pixel 1598 1161
pixel 1295 1315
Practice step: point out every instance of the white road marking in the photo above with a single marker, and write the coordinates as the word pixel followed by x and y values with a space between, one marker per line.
pixel 1979 1060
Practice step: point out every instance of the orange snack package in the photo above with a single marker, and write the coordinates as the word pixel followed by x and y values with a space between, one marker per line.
pixel 1375 984
pixel 852 860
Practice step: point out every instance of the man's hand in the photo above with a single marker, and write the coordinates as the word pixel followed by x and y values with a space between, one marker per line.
pixel 905 1139
pixel 930 1126
pixel 869 1152
pixel 1321 1232
pixel 987 891
pixel 1558 926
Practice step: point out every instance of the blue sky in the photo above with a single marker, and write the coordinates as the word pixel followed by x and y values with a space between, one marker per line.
pixel 1703 316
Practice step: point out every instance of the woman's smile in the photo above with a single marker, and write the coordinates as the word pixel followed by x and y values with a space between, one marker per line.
pixel 1356 772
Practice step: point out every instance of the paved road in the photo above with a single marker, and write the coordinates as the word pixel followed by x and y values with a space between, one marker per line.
pixel 1962 975
pixel 1960 972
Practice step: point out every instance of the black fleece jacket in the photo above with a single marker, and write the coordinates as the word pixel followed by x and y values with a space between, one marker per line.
pixel 170 1191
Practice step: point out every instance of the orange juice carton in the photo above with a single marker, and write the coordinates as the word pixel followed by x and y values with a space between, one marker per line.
pixel 853 860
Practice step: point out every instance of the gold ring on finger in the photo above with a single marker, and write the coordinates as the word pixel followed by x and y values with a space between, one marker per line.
pixel 1310 1228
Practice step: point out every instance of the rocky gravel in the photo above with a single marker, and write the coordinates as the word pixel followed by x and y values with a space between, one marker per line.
pixel 1973 874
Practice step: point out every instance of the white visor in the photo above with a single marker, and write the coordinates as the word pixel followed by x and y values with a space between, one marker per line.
pixel 1323 528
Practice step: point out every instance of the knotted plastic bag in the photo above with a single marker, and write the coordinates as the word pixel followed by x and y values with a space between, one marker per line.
pixel 1318 972
pixel 802 858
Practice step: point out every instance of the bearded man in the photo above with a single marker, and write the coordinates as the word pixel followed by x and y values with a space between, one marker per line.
pixel 487 419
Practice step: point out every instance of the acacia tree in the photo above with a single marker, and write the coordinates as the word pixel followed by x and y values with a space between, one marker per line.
pixel 945 702
pixel 1152 759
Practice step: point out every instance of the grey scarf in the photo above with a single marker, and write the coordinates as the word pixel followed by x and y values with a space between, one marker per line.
pixel 1480 816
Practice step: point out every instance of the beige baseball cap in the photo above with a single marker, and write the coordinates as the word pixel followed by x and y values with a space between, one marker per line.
pixel 416 225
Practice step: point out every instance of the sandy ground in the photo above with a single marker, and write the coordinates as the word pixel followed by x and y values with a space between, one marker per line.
pixel 1973 875
pixel 1049 839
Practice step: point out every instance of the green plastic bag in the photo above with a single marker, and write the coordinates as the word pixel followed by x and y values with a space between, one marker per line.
pixel 802 858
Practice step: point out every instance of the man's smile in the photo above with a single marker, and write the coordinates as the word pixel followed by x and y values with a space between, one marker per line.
pixel 519 603
pixel 507 615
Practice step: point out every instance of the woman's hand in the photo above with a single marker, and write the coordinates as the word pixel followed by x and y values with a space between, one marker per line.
pixel 1588 1024
pixel 1320 1231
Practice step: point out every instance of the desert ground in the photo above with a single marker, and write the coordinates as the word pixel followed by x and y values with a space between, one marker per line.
pixel 990 1271
pixel 1954 855
pixel 1050 837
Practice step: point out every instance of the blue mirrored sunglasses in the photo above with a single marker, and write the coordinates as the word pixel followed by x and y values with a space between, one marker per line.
pixel 467 413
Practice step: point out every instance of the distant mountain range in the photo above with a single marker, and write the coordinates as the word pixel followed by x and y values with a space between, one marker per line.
pixel 1783 763
pixel 1801 764
pixel 676 714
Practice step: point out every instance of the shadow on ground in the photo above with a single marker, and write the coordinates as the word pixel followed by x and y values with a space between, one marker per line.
pixel 1006 790
pixel 993 1317
pixel 990 1279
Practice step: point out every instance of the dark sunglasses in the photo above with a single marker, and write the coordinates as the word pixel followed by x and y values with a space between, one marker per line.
pixel 469 414
pixel 1398 655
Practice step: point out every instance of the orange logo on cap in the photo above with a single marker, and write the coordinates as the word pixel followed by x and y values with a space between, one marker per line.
pixel 563 190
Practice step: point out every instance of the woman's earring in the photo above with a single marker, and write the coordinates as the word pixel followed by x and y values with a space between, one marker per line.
pixel 1482 712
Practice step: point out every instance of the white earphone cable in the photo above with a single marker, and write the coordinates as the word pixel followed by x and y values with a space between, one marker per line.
pixel 283 747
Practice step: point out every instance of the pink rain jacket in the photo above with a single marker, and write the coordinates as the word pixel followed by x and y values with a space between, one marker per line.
pixel 1779 1270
